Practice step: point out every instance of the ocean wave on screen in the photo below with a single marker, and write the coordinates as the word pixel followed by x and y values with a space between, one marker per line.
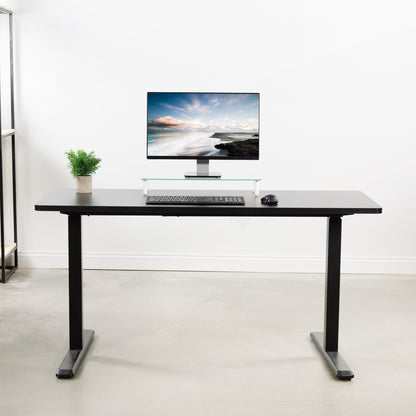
pixel 188 145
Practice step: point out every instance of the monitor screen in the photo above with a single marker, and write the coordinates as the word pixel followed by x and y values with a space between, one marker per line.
pixel 202 125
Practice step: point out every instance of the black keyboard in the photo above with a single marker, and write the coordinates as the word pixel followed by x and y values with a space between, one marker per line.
pixel 194 200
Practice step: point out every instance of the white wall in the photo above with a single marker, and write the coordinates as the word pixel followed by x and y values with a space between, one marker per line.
pixel 338 87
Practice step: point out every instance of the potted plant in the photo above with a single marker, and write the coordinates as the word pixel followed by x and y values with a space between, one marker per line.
pixel 83 165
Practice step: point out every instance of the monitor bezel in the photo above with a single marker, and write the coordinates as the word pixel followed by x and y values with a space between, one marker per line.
pixel 199 157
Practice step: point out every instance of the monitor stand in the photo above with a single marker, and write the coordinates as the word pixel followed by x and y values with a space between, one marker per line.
pixel 202 170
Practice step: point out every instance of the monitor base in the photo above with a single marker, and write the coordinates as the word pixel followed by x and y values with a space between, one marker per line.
pixel 212 175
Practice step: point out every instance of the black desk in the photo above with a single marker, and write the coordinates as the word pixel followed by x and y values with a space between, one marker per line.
pixel 330 204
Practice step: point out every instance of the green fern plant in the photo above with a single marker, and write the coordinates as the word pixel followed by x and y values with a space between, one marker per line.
pixel 82 163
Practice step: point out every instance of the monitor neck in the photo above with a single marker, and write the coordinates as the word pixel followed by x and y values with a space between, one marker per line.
pixel 202 167
pixel 202 170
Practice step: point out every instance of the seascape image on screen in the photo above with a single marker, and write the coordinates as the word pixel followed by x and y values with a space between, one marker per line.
pixel 203 125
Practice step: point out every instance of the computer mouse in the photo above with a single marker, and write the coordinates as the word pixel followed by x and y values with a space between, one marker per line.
pixel 269 200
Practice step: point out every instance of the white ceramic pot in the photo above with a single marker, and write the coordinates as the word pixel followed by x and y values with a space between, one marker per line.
pixel 84 184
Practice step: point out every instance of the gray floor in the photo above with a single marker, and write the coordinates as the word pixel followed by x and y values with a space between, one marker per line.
pixel 172 343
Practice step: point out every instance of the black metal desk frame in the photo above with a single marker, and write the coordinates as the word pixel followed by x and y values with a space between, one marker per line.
pixel 330 204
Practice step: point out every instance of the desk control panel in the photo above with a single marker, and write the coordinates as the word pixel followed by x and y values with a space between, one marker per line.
pixel 194 200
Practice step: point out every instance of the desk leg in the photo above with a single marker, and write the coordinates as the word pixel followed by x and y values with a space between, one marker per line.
pixel 327 342
pixel 79 339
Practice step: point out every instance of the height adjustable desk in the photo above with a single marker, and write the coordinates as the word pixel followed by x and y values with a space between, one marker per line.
pixel 330 204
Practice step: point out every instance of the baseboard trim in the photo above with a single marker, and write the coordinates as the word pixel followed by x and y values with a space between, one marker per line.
pixel 131 261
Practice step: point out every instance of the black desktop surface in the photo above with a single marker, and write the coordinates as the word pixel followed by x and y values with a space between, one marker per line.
pixel 133 202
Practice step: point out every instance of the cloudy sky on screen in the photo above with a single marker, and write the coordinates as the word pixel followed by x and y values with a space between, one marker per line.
pixel 194 111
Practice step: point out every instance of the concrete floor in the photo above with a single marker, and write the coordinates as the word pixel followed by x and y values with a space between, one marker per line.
pixel 173 343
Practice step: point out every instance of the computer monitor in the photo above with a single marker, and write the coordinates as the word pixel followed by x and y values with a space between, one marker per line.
pixel 203 126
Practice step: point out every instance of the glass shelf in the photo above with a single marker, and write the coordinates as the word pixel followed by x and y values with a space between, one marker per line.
pixel 254 180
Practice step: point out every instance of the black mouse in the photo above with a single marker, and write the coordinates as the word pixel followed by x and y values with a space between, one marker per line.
pixel 269 200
